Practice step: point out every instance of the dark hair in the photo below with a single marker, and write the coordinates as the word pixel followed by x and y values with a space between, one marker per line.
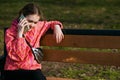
pixel 30 9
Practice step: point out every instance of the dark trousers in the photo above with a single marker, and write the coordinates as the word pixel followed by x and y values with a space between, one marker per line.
pixel 24 75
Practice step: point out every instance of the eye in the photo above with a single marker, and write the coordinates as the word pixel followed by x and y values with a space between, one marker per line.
pixel 35 22
pixel 30 21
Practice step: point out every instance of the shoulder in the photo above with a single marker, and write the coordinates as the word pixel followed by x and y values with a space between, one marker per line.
pixel 41 23
pixel 13 26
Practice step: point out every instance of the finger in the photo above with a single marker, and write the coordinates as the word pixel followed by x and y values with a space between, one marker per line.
pixel 23 21
pixel 63 36
pixel 56 38
pixel 59 38
pixel 24 24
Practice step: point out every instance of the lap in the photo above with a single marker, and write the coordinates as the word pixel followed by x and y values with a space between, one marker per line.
pixel 24 75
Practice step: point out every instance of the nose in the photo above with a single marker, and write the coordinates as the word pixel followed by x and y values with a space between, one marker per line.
pixel 32 24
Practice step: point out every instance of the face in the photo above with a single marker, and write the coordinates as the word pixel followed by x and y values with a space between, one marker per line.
pixel 33 19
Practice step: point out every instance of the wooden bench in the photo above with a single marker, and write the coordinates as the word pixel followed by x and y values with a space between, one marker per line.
pixel 98 39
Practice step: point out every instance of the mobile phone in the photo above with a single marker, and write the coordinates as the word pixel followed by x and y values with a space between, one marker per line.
pixel 22 17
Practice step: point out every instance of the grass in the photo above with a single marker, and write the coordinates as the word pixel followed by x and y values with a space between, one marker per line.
pixel 95 14
pixel 79 14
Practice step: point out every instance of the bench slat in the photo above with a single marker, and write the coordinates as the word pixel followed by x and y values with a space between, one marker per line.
pixel 84 57
pixel 84 41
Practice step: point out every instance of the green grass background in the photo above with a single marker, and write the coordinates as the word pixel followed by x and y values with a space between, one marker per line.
pixel 78 14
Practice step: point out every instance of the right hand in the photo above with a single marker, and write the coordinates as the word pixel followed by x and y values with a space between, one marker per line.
pixel 21 26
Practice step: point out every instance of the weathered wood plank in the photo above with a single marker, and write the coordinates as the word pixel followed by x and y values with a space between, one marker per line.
pixel 84 41
pixel 83 57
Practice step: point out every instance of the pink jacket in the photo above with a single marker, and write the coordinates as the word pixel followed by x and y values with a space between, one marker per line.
pixel 19 53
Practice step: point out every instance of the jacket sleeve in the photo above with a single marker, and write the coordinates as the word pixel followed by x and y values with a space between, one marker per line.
pixel 17 49
pixel 51 24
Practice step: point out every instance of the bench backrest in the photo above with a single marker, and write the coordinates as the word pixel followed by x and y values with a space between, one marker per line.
pixel 69 50
pixel 76 39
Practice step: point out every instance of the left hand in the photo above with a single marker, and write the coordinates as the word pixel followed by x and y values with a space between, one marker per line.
pixel 58 33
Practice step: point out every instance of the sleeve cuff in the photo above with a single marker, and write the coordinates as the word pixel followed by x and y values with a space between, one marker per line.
pixel 53 23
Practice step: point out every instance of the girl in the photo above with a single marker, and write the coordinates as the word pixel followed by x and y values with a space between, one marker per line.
pixel 20 63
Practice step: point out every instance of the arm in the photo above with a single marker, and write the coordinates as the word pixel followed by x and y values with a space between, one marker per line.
pixel 16 47
pixel 58 33
pixel 56 26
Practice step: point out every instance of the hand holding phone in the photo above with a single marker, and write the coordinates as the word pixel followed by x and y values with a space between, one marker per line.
pixel 21 18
